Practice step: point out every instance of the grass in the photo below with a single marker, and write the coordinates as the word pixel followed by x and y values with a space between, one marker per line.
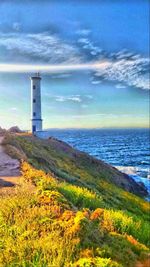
pixel 67 163
pixel 66 218
pixel 58 224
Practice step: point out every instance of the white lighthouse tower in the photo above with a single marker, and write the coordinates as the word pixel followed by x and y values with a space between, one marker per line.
pixel 36 117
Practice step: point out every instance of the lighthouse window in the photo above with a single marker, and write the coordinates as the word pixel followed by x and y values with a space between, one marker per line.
pixel 34 114
pixel 34 87
pixel 34 100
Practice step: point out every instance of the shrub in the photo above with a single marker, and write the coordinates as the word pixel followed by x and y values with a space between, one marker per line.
pixel 81 197
pixel 96 262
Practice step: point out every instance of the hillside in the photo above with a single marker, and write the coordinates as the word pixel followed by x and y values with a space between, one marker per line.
pixel 70 210
pixel 55 156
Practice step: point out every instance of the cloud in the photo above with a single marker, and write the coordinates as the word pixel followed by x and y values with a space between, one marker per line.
pixel 89 115
pixel 89 46
pixel 105 116
pixel 89 96
pixel 126 67
pixel 61 76
pixel 84 106
pixel 75 98
pixel 120 86
pixel 83 32
pixel 95 81
pixel 131 72
pixel 16 26
pixel 13 109
pixel 123 67
pixel 84 41
pixel 40 46
pixel 72 98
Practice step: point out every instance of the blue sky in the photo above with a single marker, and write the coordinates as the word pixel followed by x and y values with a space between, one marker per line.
pixel 74 33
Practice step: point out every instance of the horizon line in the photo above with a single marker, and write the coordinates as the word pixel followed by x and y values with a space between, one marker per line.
pixel 83 128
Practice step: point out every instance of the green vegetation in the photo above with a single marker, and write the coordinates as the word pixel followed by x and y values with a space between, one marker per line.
pixel 62 216
pixel 69 164
pixel 58 224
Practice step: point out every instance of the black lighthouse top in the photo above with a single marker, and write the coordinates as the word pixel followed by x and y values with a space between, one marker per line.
pixel 36 76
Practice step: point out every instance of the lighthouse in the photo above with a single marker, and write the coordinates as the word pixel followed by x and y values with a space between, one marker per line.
pixel 36 117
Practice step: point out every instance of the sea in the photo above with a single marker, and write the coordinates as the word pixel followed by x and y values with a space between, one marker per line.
pixel 126 149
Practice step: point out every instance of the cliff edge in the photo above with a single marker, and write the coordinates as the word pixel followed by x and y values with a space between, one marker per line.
pixel 67 163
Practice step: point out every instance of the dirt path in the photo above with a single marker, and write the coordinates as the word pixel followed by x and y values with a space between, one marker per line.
pixel 9 169
pixel 8 166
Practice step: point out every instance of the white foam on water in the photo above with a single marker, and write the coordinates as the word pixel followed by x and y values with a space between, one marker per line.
pixel 133 173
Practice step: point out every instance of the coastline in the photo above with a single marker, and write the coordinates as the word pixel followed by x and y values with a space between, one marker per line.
pixel 74 138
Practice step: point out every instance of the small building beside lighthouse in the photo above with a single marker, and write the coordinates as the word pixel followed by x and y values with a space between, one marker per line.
pixel 36 116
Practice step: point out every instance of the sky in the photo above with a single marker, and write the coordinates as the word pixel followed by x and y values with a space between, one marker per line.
pixel 93 57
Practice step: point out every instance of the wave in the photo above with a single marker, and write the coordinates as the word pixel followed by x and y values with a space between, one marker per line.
pixel 133 173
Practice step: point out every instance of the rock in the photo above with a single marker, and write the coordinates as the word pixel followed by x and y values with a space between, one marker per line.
pixel 15 129
pixel 2 130
pixel 8 165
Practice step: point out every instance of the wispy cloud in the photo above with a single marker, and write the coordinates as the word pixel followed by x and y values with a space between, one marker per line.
pixel 132 72
pixel 16 26
pixel 123 67
pixel 84 106
pixel 120 86
pixel 90 47
pixel 84 99
pixel 83 32
pixel 75 98
pixel 102 115
pixel 72 98
pixel 41 46
pixel 95 81
pixel 126 67
pixel 61 76
pixel 13 109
